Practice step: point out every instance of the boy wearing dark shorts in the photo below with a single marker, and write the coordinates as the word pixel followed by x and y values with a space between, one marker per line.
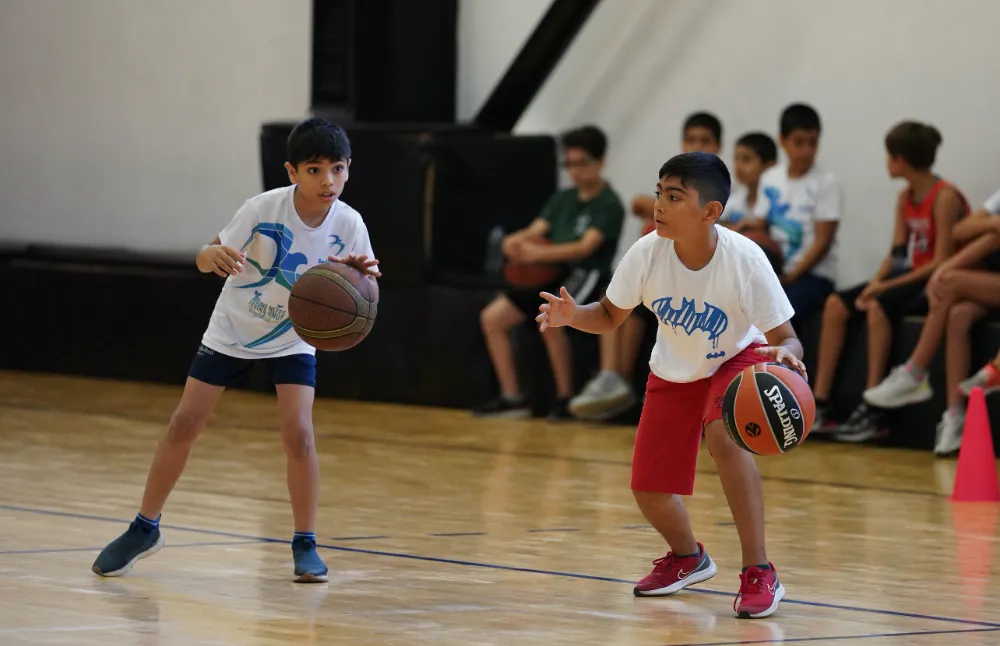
pixel 583 224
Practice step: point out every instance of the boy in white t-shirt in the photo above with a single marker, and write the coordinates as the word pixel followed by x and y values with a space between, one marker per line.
pixel 273 238
pixel 802 210
pixel 755 154
pixel 720 309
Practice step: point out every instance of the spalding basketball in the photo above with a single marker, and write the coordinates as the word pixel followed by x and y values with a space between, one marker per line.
pixel 531 276
pixel 332 306
pixel 768 409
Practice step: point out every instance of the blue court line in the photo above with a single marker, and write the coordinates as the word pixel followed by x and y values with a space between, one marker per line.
pixel 459 534
pixel 792 640
pixel 507 568
pixel 357 538
pixel 98 549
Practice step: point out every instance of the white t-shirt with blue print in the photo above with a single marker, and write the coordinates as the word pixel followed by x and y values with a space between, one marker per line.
pixel 707 316
pixel 792 208
pixel 736 206
pixel 250 320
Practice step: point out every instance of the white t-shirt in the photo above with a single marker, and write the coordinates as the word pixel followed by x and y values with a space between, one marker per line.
pixel 736 206
pixel 250 320
pixel 793 207
pixel 706 316
pixel 992 203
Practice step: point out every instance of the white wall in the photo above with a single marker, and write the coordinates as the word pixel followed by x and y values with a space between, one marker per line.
pixel 134 122
pixel 639 66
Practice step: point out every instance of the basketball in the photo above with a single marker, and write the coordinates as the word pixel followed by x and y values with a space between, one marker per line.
pixel 332 306
pixel 531 276
pixel 768 409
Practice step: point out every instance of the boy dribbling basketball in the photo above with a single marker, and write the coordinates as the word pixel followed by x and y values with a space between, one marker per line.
pixel 273 238
pixel 721 308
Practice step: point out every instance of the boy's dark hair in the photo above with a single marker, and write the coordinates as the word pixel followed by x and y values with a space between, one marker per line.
pixel 799 116
pixel 704 120
pixel 315 139
pixel 761 144
pixel 704 172
pixel 915 142
pixel 588 138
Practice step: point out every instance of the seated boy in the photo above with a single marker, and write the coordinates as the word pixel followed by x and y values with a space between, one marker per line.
pixel 755 153
pixel 961 292
pixel 688 266
pixel 802 212
pixel 610 391
pixel 926 212
pixel 583 224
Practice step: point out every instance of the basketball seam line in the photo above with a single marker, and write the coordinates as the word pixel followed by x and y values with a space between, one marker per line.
pixel 330 307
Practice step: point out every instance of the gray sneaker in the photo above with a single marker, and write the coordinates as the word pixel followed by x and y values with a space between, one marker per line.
pixel 948 438
pixel 121 554
pixel 899 389
pixel 604 396
pixel 861 426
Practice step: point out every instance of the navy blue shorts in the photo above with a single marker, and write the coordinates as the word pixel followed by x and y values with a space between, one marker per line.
pixel 220 369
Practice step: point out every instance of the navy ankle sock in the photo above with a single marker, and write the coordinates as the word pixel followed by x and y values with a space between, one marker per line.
pixel 298 536
pixel 146 524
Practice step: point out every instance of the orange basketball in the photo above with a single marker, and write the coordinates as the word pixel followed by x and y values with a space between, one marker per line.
pixel 768 409
pixel 531 276
pixel 332 306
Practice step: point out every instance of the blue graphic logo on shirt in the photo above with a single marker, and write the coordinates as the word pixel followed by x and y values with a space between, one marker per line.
pixel 282 270
pixel 711 319
pixel 336 241
pixel 777 216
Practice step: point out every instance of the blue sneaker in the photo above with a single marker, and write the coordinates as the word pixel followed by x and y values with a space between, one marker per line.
pixel 309 567
pixel 121 554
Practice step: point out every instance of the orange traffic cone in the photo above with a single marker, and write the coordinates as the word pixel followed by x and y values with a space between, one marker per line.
pixel 976 477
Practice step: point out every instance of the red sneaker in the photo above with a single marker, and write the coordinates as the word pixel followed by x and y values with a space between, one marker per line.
pixel 674 573
pixel 759 595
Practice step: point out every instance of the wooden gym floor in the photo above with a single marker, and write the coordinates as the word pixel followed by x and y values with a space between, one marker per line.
pixel 441 529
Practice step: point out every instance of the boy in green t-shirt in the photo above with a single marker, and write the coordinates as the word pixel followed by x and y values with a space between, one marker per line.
pixel 583 224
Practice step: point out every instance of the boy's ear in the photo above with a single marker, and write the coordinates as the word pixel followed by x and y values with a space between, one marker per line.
pixel 292 177
pixel 713 211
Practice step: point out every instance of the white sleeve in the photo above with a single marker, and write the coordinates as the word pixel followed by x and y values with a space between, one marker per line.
pixel 763 204
pixel 362 243
pixel 625 290
pixel 237 233
pixel 828 202
pixel 992 203
pixel 763 300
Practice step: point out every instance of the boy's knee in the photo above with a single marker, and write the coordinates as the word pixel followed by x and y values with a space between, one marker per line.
pixel 649 499
pixel 297 438
pixel 497 316
pixel 184 427
pixel 835 310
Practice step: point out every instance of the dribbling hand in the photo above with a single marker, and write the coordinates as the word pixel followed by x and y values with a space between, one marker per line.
pixel 556 311
pixel 359 262
pixel 225 261
pixel 785 358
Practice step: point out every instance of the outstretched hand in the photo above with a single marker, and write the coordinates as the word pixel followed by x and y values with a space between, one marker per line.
pixel 556 311
pixel 784 357
pixel 359 262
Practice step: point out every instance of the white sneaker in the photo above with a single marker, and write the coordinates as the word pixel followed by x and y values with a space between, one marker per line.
pixel 949 434
pixel 604 396
pixel 899 389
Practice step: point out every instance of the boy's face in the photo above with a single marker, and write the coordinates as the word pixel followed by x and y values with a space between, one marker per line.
pixel 895 166
pixel 801 146
pixel 583 169
pixel 748 167
pixel 320 181
pixel 676 212
pixel 699 139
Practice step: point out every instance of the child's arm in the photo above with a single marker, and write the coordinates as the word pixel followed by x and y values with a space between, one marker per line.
pixel 217 258
pixel 827 217
pixel 974 225
pixel 642 206
pixel 947 207
pixel 767 307
pixel 900 236
pixel 623 295
pixel 783 346
pixel 605 222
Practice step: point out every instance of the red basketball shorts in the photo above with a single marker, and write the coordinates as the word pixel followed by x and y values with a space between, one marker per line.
pixel 674 416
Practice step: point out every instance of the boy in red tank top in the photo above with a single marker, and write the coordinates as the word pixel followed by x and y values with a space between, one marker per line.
pixel 926 212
